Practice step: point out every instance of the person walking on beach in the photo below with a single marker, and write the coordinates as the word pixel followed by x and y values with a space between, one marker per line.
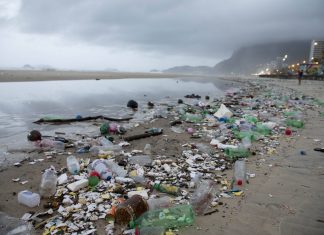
pixel 300 76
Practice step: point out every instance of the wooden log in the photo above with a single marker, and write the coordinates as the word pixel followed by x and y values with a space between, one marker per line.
pixel 68 120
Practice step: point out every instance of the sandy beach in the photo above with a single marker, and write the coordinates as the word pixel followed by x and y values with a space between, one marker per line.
pixel 284 197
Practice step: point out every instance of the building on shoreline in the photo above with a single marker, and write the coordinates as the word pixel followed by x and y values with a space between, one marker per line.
pixel 316 54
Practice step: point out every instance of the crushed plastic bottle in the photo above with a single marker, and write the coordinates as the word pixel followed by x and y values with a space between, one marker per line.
pixel 177 216
pixel 14 226
pixel 158 203
pixel 203 196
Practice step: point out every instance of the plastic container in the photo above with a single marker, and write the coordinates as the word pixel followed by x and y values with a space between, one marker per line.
pixel 158 203
pixel 102 168
pixel 169 189
pixel 131 209
pixel 28 198
pixel 14 226
pixel 48 183
pixel 147 149
pixel 178 216
pixel 73 165
pixel 203 196
pixel 239 179
pixel 76 186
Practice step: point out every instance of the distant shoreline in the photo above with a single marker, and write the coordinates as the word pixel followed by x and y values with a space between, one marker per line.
pixel 40 75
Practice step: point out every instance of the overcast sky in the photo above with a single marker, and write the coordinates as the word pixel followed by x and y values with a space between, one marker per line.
pixel 140 35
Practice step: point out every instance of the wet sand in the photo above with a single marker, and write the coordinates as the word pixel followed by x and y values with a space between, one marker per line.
pixel 38 75
pixel 285 197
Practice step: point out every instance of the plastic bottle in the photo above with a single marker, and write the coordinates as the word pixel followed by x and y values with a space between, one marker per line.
pixel 147 149
pixel 14 226
pixel 130 209
pixel 158 203
pixel 177 216
pixel 166 188
pixel 115 168
pixel 246 142
pixel 239 174
pixel 73 165
pixel 237 152
pixel 262 129
pixel 101 167
pixel 295 123
pixel 28 198
pixel 105 142
pixel 203 196
pixel 48 183
pixel 95 150
pixel 59 146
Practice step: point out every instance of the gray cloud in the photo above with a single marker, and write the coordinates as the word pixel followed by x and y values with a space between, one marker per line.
pixel 202 28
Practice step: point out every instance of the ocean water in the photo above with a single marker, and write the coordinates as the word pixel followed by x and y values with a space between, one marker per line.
pixel 22 103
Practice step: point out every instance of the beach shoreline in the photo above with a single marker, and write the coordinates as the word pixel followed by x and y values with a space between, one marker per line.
pixel 275 202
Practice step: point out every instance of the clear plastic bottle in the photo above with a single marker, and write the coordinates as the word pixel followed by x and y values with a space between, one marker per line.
pixel 147 149
pixel 115 168
pixel 101 167
pixel 203 196
pixel 73 165
pixel 14 226
pixel 58 146
pixel 239 174
pixel 28 198
pixel 48 183
pixel 158 203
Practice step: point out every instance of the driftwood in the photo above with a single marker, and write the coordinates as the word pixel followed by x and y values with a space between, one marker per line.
pixel 141 136
pixel 63 121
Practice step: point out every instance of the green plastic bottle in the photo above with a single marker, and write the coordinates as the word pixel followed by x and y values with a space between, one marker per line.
pixel 166 188
pixel 295 123
pixel 173 217
pixel 237 152
pixel 263 130
pixel 251 119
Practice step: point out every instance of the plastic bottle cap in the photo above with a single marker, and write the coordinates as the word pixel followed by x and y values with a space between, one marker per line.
pixel 239 182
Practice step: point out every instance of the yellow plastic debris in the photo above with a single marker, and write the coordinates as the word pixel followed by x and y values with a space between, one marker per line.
pixel 238 193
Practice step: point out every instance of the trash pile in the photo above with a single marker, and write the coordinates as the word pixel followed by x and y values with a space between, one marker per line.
pixel 138 192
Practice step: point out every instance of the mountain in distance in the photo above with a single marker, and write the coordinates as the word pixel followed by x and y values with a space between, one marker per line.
pixel 251 59
pixel 193 70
